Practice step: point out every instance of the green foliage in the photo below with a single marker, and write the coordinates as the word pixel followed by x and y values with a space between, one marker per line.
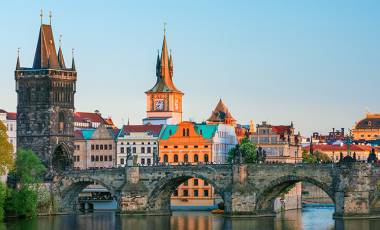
pixel 3 196
pixel 247 149
pixel 316 157
pixel 23 202
pixel 29 168
pixel 6 150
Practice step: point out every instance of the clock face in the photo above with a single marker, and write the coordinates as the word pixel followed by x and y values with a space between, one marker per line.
pixel 159 105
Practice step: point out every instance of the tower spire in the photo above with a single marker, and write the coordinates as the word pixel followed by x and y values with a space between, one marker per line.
pixel 72 62
pixel 18 59
pixel 158 66
pixel 61 60
pixel 164 57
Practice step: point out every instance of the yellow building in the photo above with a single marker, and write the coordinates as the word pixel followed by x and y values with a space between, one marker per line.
pixel 367 129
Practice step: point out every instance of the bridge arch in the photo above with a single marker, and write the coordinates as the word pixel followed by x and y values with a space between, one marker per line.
pixel 267 195
pixel 69 188
pixel 159 196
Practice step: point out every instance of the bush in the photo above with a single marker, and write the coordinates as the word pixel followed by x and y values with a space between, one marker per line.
pixel 3 196
pixel 23 202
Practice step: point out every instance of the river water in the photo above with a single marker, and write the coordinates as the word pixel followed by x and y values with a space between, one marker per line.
pixel 308 218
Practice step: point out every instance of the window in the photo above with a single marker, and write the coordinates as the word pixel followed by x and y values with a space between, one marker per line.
pixel 186 158
pixel 134 149
pixel 122 150
pixel 206 157
pixel 61 122
pixel 205 193
pixel 165 147
pixel 175 193
pixel 92 158
pixel 110 147
pixel 175 158
pixel 142 143
pixel 143 161
pixel 206 146
pixel 142 149
pixel 185 192
pixel 96 158
pixel 196 158
pixel 154 149
pixel 200 132
pixel 186 146
pixel 128 149
pixel 105 147
pixel 149 150
pixel 92 147
pixel 110 157
pixel 195 146
pixel 101 158
pixel 196 182
pixel 205 183
pixel 183 132
pixel 187 132
pixel 175 146
pixel 106 157
pixel 101 147
pixel 148 161
pixel 196 193
pixel 166 158
pixel 97 147
pixel 122 161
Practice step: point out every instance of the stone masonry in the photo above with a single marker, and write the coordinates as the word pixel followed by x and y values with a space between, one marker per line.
pixel 247 190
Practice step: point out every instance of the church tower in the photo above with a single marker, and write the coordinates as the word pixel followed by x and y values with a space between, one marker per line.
pixel 164 100
pixel 45 104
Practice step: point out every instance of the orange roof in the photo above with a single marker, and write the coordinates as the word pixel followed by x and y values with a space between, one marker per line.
pixel 221 113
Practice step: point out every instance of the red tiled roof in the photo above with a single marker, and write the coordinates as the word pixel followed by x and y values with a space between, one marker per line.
pixel 84 116
pixel 11 116
pixel 154 129
pixel 339 148
pixel 281 129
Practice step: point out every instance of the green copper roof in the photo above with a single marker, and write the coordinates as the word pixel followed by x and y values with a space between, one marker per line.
pixel 87 133
pixel 207 131
pixel 167 131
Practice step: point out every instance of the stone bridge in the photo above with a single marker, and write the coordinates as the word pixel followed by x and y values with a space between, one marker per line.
pixel 247 189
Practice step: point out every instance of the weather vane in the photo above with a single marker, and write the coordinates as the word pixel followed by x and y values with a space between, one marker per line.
pixel 50 16
pixel 165 27
pixel 41 15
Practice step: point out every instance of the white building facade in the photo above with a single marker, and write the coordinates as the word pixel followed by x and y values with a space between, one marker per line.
pixel 139 141
pixel 223 141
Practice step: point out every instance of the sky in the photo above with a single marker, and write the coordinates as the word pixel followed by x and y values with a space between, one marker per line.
pixel 315 63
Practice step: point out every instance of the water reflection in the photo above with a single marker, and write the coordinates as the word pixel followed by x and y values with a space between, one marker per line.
pixel 308 218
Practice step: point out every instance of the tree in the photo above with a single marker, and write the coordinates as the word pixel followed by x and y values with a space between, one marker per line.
pixel 315 157
pixel 6 150
pixel 3 196
pixel 247 150
pixel 28 168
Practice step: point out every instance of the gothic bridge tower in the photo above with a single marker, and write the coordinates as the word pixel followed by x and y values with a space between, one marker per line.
pixel 164 100
pixel 45 104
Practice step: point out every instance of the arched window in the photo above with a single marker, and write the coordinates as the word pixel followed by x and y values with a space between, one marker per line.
pixel 166 158
pixel 175 158
pixel 196 159
pixel 183 132
pixel 206 157
pixel 186 158
pixel 61 122
pixel 187 132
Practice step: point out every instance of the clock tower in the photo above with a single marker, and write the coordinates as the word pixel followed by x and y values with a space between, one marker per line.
pixel 164 100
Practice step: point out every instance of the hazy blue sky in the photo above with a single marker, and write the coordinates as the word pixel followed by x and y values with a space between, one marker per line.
pixel 316 63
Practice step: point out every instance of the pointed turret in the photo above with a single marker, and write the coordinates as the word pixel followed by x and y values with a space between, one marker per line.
pixel 158 66
pixel 73 65
pixel 171 64
pixel 221 115
pixel 61 60
pixel 18 63
pixel 45 49
pixel 164 71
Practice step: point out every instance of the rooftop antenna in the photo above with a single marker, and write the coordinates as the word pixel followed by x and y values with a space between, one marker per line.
pixel 50 16
pixel 41 15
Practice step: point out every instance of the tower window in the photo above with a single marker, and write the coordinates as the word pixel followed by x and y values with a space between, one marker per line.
pixel 61 122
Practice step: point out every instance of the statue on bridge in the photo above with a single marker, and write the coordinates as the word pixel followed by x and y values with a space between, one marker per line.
pixel 261 155
pixel 372 158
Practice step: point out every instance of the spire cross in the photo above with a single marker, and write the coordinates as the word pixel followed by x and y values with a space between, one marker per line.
pixel 18 51
pixel 41 15
pixel 72 52
pixel 50 16
pixel 165 27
